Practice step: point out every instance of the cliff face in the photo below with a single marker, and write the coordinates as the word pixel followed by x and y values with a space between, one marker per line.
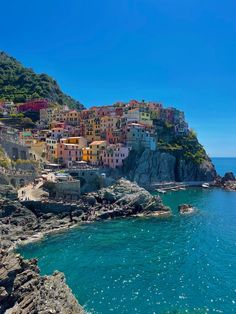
pixel 147 167
pixel 24 291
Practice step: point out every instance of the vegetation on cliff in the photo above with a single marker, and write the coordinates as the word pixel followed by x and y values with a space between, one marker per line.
pixel 5 162
pixel 20 122
pixel 187 146
pixel 177 158
pixel 18 84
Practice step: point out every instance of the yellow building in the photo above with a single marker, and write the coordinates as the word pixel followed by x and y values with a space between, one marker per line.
pixel 58 115
pixel 109 123
pixel 92 129
pixel 145 118
pixel 78 140
pixel 85 154
pixel 72 117
pixel 92 154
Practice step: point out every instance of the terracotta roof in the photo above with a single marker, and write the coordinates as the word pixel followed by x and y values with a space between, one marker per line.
pixel 98 142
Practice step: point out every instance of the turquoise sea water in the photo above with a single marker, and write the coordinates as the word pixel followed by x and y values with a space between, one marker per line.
pixel 183 264
pixel 224 165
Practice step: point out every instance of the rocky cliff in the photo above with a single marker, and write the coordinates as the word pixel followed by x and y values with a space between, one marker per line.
pixel 24 291
pixel 181 160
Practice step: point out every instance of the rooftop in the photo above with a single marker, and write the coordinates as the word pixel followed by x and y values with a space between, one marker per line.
pixel 98 142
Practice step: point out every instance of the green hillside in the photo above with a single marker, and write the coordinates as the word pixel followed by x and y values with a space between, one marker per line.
pixel 18 84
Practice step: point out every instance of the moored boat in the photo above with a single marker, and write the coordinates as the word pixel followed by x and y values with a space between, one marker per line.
pixel 161 191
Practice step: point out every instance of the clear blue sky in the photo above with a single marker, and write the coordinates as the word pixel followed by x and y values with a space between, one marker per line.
pixel 179 52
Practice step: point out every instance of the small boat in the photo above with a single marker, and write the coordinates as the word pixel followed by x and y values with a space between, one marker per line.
pixel 206 185
pixel 161 191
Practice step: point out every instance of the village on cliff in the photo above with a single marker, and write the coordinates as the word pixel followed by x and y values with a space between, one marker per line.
pixel 99 136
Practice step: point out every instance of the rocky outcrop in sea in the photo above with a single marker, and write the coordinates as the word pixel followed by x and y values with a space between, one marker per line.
pixel 227 182
pixel 185 209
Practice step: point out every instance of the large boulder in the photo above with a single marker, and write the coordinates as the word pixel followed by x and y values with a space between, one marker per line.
pixel 185 209
pixel 127 194
pixel 229 176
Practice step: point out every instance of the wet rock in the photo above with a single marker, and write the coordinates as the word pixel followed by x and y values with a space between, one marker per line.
pixel 227 182
pixel 185 209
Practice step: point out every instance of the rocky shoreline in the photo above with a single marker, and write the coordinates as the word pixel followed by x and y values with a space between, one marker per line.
pixel 227 182
pixel 22 289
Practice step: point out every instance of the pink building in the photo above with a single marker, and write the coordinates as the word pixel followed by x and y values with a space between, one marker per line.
pixel 114 155
pixel 69 150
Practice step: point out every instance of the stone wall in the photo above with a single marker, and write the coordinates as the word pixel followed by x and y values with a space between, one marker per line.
pixel 68 190
pixel 54 207
pixel 90 179
pixel 17 179
pixel 15 150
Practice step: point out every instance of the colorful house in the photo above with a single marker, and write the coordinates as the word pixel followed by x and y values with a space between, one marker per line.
pixel 113 155
pixel 68 153
pixel 77 140
pixel 69 150
pixel 58 133
pixel 72 117
pixel 92 154
pixel 109 123
pixel 145 117
pixel 59 115
pixel 92 129
pixel 86 154
pixel 132 115
pixel 137 136
pixel 51 149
